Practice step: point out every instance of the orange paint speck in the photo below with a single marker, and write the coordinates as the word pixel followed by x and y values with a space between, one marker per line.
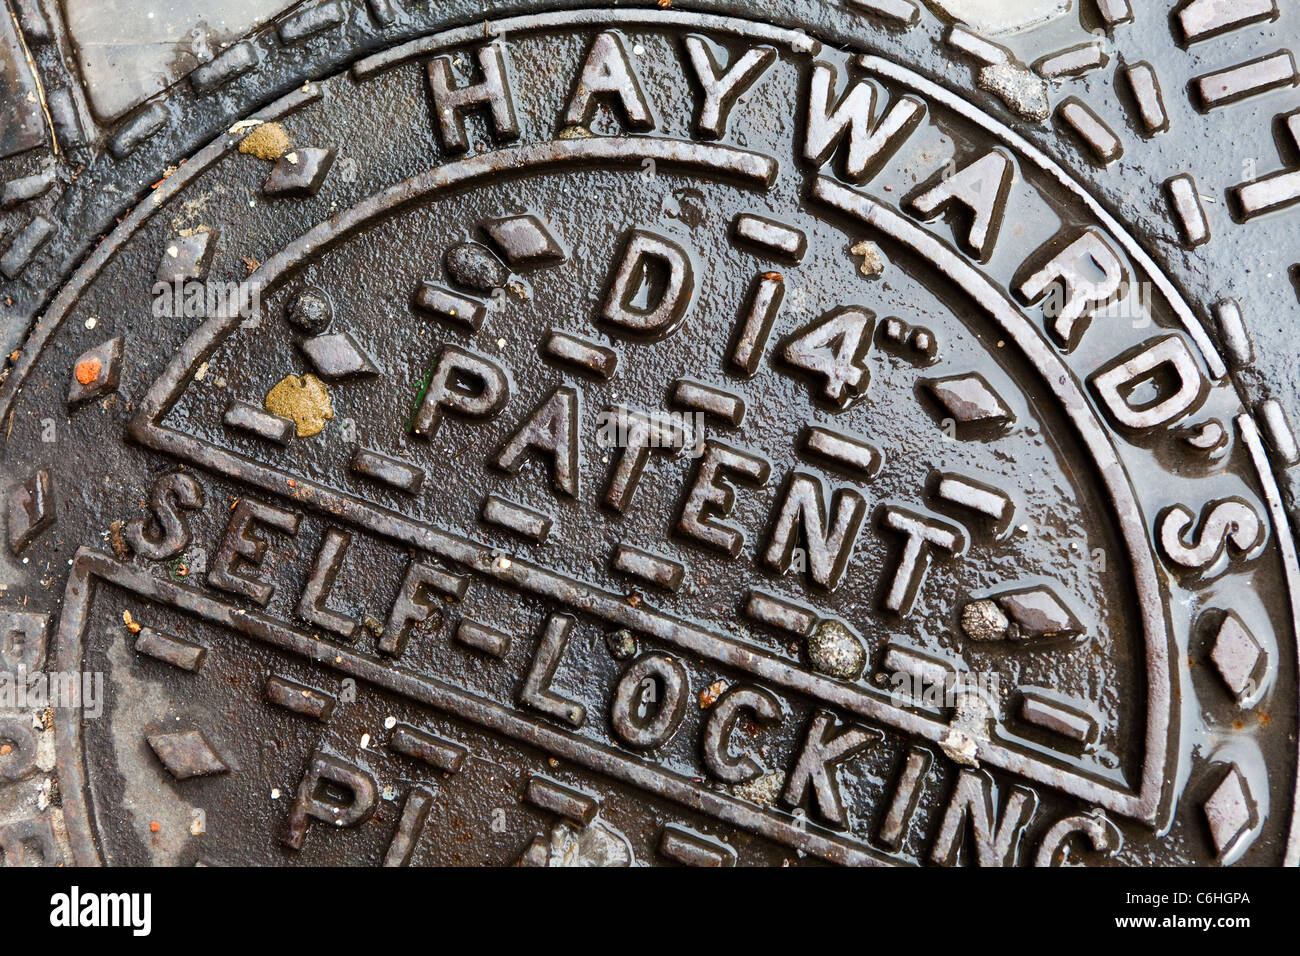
pixel 154 826
pixel 88 371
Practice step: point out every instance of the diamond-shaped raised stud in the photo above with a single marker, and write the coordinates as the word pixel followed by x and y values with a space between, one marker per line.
pixel 1238 656
pixel 337 355
pixel 1230 811
pixel 187 257
pixel 187 754
pixel 299 172
pixel 97 371
pixel 31 509
pixel 970 401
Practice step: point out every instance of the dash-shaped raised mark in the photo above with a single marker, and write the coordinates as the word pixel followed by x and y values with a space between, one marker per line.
pixel 480 637
pixel 1232 332
pixel 690 849
pixel 136 130
pixel 435 751
pixel 974 45
pixel 1201 19
pixel 170 649
pixel 1145 87
pixel 902 12
pixel 1063 719
pixel 449 306
pixel 224 67
pixel 1244 80
pixel 415 813
pixel 843 450
pixel 561 800
pixel 299 698
pixel 785 242
pixel 256 421
pixel 17 191
pixel 580 353
pixel 1088 126
pixel 975 496
pixel 925 671
pixel 649 567
pixel 26 244
pixel 1189 213
pixel 489 640
pixel 780 613
pixel 1114 11
pixel 310 22
pixel 714 402
pixel 388 470
pixel 522 521
pixel 1073 61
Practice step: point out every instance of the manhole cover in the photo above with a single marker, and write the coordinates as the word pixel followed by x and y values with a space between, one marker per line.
pixel 640 436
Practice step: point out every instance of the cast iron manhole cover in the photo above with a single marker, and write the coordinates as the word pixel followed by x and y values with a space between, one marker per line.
pixel 643 436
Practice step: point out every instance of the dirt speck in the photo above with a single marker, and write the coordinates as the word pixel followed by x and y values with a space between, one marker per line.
pixel 304 400
pixel 269 141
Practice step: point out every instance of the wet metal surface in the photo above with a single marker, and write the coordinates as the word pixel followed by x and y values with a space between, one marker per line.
pixel 620 437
